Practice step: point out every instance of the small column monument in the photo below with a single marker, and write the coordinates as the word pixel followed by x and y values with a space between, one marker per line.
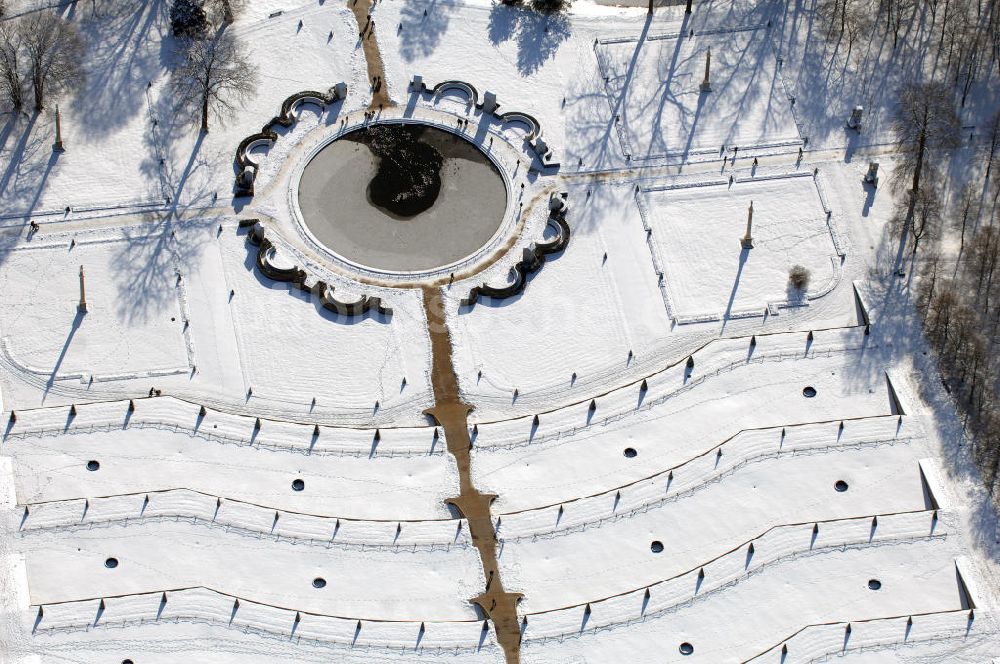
pixel 854 122
pixel 871 177
pixel 58 145
pixel 747 240
pixel 82 307
pixel 706 85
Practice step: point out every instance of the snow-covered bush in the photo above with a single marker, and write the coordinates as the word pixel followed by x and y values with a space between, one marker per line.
pixel 544 6
pixel 548 6
pixel 798 277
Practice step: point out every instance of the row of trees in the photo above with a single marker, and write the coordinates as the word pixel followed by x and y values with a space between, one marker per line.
pixel 958 300
pixel 41 55
pixel 40 52
pixel 962 322
pixel 959 40
pixel 926 122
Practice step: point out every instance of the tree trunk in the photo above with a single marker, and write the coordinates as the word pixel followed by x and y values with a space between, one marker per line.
pixel 974 382
pixel 911 206
pixel 39 86
pixel 921 148
pixel 944 25
pixel 204 114
pixel 965 222
pixel 993 150
pixel 16 91
pixel 995 472
pixel 970 76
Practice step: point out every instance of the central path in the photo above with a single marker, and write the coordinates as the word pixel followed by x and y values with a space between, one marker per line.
pixel 452 414
pixel 449 411
pixel 373 57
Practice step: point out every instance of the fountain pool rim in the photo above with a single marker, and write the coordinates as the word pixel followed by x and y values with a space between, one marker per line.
pixel 508 222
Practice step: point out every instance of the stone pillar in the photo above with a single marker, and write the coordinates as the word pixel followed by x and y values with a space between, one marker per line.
pixel 706 86
pixel 747 241
pixel 854 122
pixel 82 307
pixel 872 176
pixel 58 145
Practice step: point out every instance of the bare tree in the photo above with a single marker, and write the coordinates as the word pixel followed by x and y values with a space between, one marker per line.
pixel 53 49
pixel 974 360
pixel 938 318
pixel 969 66
pixel 992 142
pixel 984 256
pixel 11 78
pixel 834 14
pixel 918 216
pixel 944 23
pixel 861 16
pixel 966 208
pixel 988 452
pixel 992 23
pixel 953 31
pixel 930 273
pixel 898 12
pixel 850 18
pixel 925 120
pixel 216 77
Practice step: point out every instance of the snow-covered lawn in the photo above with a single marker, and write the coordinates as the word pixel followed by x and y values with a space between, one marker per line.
pixel 567 320
pixel 653 83
pixel 738 621
pixel 581 460
pixel 292 350
pixel 720 516
pixel 53 467
pixel 177 305
pixel 135 321
pixel 388 584
pixel 697 234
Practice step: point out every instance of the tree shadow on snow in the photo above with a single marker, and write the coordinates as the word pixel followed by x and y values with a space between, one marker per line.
pixel 146 264
pixel 537 35
pixel 24 170
pixel 122 58
pixel 179 173
pixel 423 25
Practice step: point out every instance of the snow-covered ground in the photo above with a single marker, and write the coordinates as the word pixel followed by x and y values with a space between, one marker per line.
pixel 655 81
pixel 664 422
pixel 693 227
